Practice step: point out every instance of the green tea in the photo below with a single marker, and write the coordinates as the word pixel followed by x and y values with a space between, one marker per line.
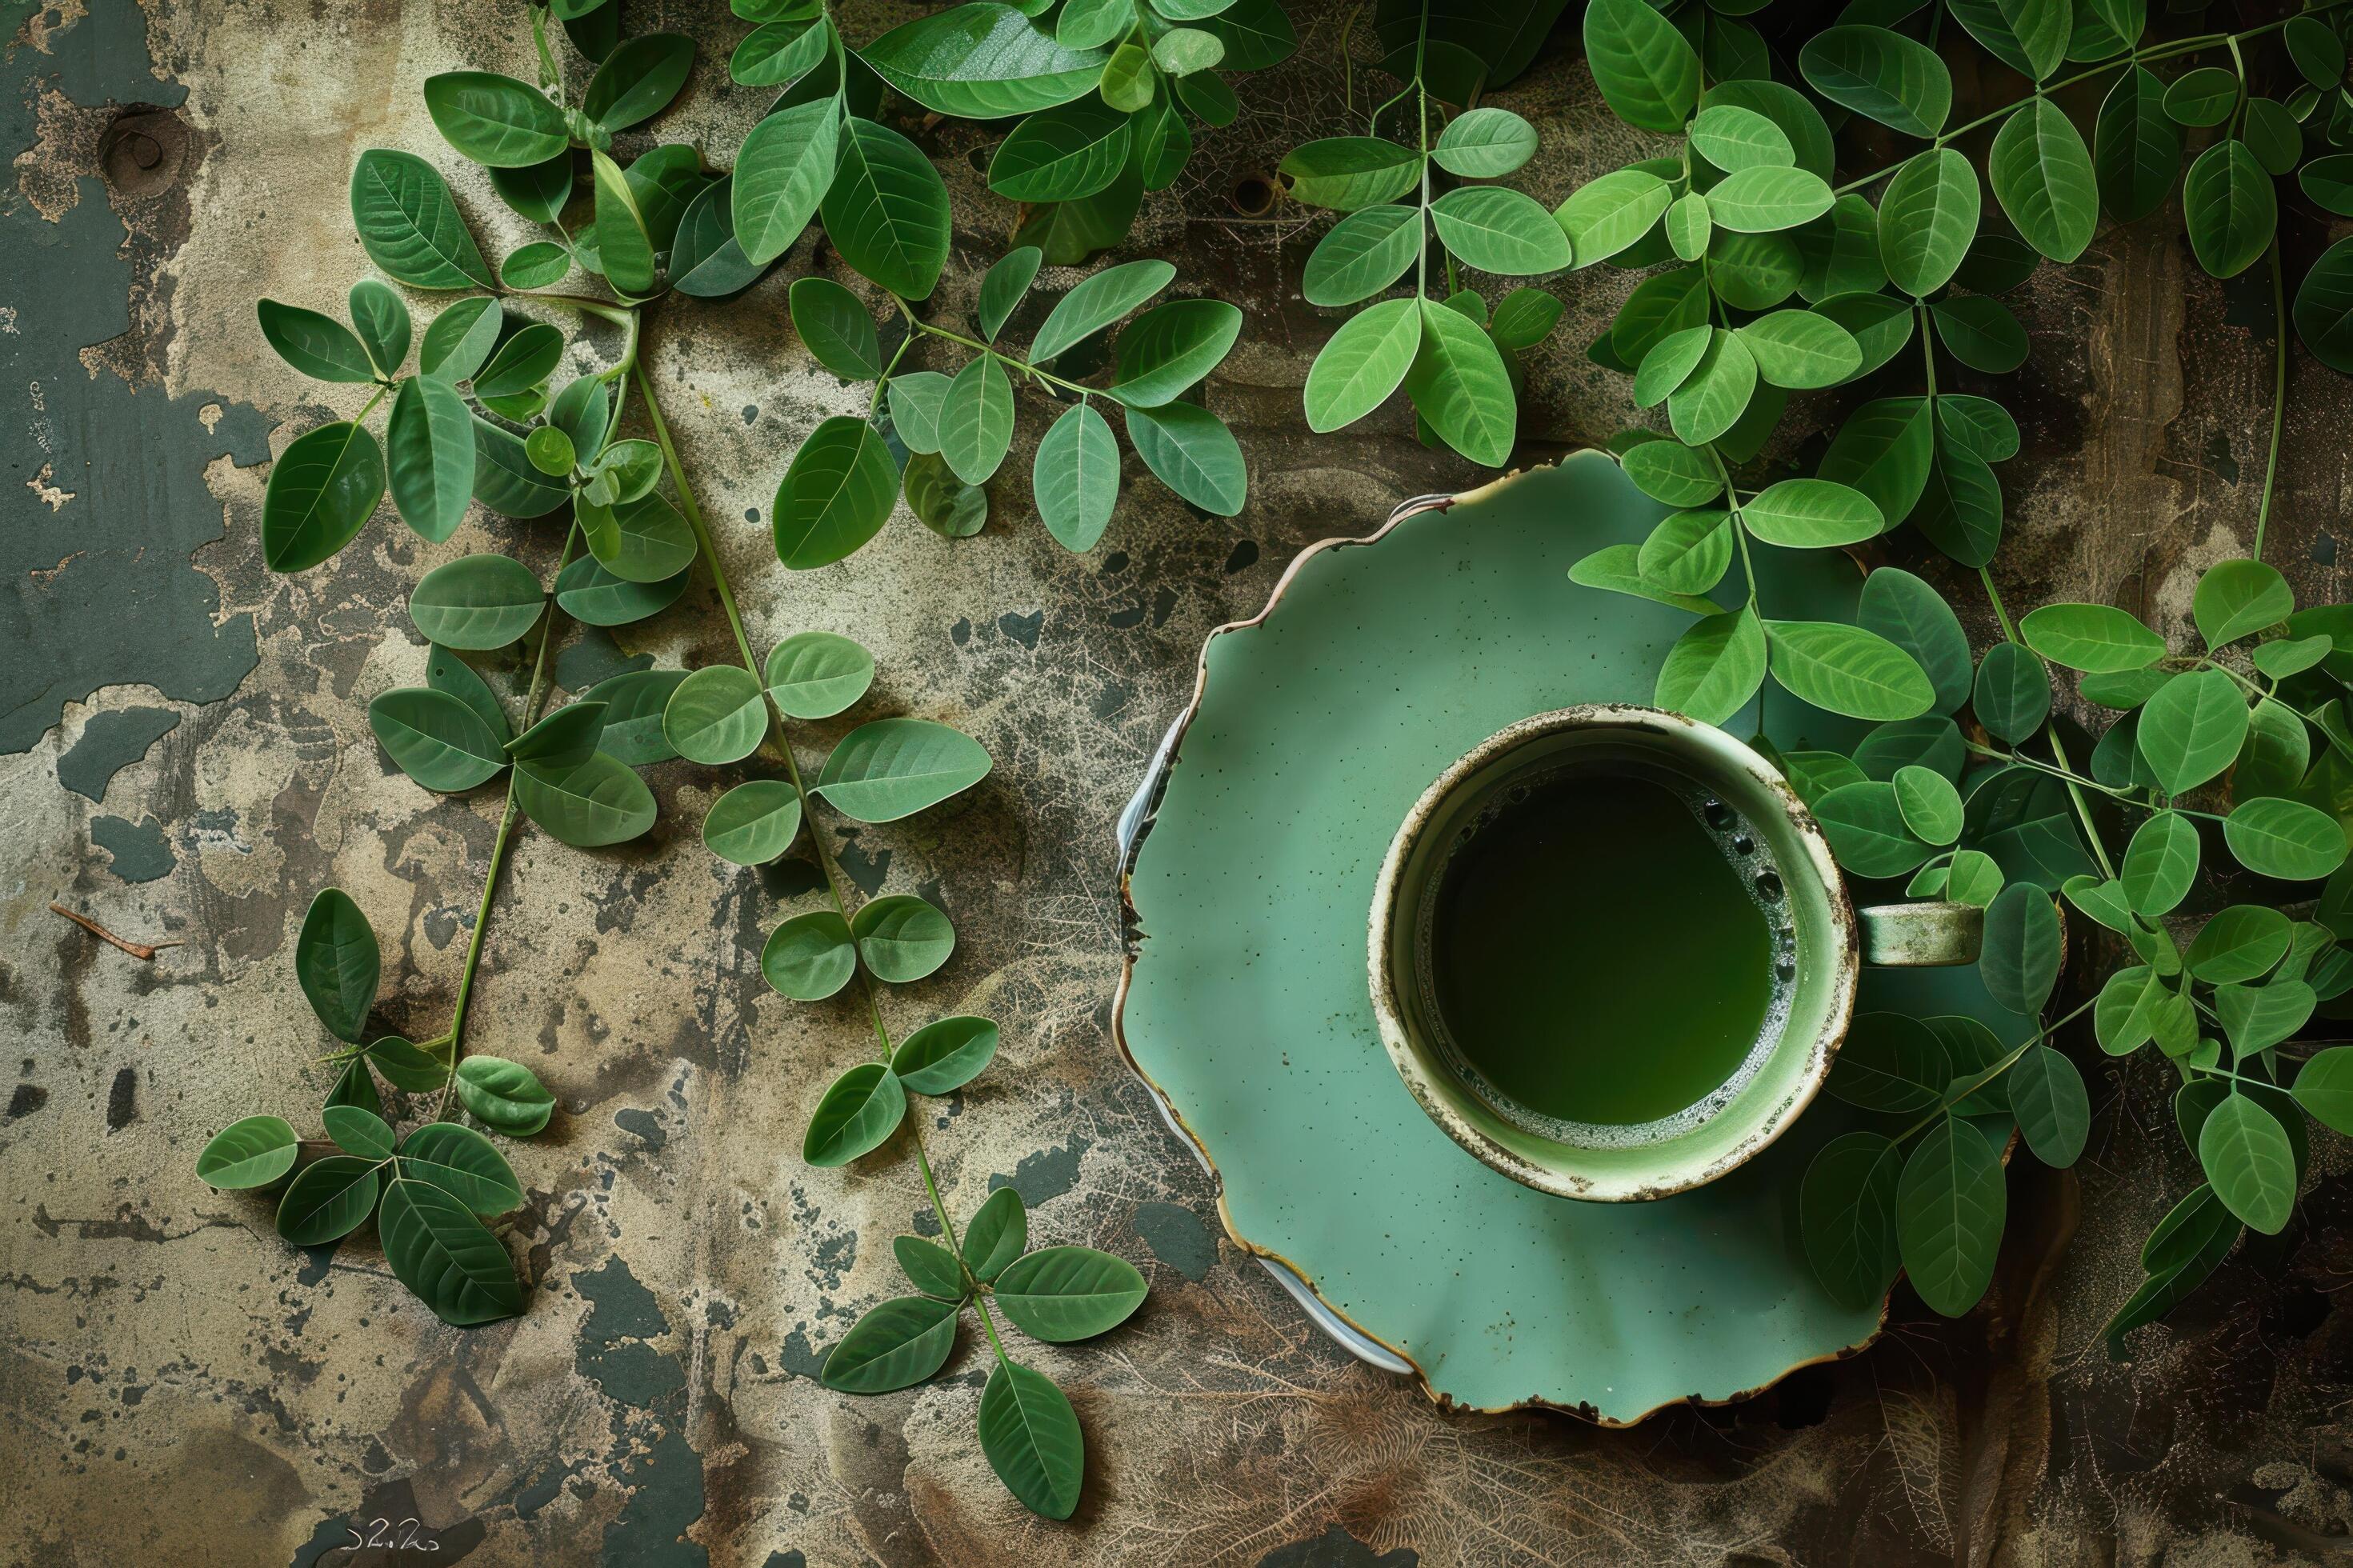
pixel 1602 947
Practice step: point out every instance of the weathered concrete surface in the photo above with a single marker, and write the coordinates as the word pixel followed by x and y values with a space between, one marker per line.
pixel 178 1386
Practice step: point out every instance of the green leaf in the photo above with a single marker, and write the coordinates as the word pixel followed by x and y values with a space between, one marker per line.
pixel 1362 254
pixel 782 173
pixel 1927 216
pixel 1172 346
pixel 896 1345
pixel 592 805
pixel 436 739
pixel 2257 1017
pixel 2239 943
pixel 942 503
pixel 2191 731
pixel 1486 144
pixel 460 339
pixel 977 419
pixel 887 210
pixel 837 491
pixel 253 1152
pixel 1733 138
pixel 1497 229
pixel 1712 398
pixel 2188 1245
pixel 323 489
pixel 1981 333
pixel 430 439
pixel 1688 553
pixel 408 224
pixel 2238 598
pixel 754 823
pixel 1096 304
pixel 835 327
pixel 1347 172
pixel 1647 74
pixel 892 768
pixel 1688 226
pixel 982 62
pixel 1913 616
pixel 857 1111
pixel 2205 96
pixel 815 675
pixel 916 396
pixel 1458 382
pixel 442 1253
pixel 1603 216
pixel 2289 656
pixel 477 601
pixel 634 701
pixel 1765 197
pixel 1063 1294
pixel 1669 363
pixel 2098 638
pixel 504 478
pixel 382 324
pixel 639 79
pixel 1191 451
pixel 2030 36
pixel 523 361
pixel 944 1054
pixel 328 1199
pixel 2019 962
pixel 356 1086
pixel 2323 1087
pixel 902 938
pixel 810 957
pixel 1095 24
pixel 2161 864
pixel 1004 286
pixel 1075 481
pixel 2230 208
pixel 505 1095
pixel 2054 1112
pixel 1930 805
pixel 1950 1206
pixel 1027 1430
pixel 2284 838
pixel 1672 472
pixel 1800 350
pixel 2246 1155
pixel 1185 51
pixel 594 598
pixel 777 53
pixel 1978 423
pixel 2318 52
pixel 718 714
pixel 317 345
pixel 1931 741
pixel 1889 1062
pixel 462 1163
pixel 2137 149
pixel 1866 830
pixel 929 1267
pixel 1846 1214
pixel 495 120
pixel 998 1234
pixel 338 963
pixel 2013 693
pixel 1885 449
pixel 409 1069
pixel 1715 667
pixel 1881 74
pixel 1811 513
pixel 1847 669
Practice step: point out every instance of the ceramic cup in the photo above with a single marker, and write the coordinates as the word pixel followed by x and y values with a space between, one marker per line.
pixel 1822 948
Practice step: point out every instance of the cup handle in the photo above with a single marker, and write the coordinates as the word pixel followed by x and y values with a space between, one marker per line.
pixel 1921 935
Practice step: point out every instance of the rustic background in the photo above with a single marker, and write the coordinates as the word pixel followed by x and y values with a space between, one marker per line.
pixel 184 755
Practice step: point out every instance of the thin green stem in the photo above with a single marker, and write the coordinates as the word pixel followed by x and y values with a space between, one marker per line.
pixel 1016 361
pixel 833 879
pixel 1421 103
pixel 2058 746
pixel 2279 394
pixel 883 381
pixel 508 816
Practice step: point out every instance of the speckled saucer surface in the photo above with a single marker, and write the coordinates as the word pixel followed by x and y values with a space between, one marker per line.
pixel 1256 843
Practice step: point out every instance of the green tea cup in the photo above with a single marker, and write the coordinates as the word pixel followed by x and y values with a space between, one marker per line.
pixel 1677 913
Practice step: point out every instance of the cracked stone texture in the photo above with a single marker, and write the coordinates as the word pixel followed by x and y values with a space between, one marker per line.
pixel 180 1386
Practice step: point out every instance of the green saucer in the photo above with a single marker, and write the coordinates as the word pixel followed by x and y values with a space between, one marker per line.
pixel 1252 850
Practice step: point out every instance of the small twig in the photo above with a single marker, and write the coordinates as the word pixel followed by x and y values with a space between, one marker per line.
pixel 143 951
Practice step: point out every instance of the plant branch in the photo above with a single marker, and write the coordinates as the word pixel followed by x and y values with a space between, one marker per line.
pixel 144 951
pixel 833 880
pixel 509 815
